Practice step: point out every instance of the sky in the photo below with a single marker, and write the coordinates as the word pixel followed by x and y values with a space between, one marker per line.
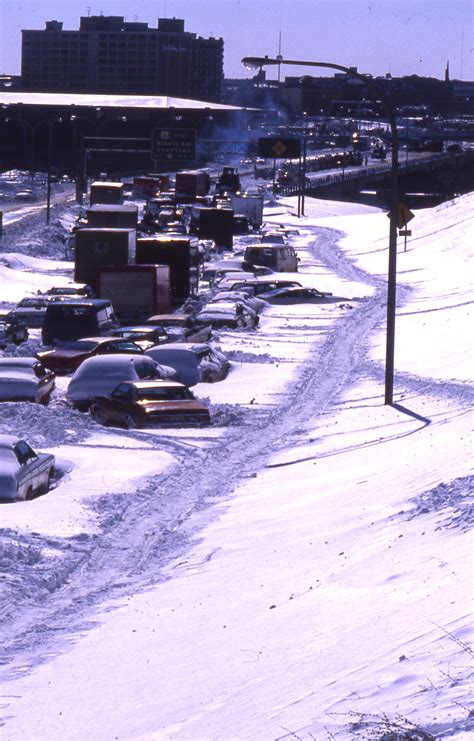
pixel 305 570
pixel 393 36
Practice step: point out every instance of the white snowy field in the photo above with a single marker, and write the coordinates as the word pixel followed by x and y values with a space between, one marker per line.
pixel 305 572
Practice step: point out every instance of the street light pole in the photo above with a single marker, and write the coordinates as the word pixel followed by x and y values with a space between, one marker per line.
pixel 50 156
pixel 259 62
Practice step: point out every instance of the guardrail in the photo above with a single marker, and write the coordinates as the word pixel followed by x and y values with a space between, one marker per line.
pixel 318 180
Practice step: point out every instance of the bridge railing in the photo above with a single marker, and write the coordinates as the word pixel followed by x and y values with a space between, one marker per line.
pixel 321 180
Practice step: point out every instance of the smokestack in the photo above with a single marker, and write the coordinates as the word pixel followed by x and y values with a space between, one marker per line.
pixel 446 72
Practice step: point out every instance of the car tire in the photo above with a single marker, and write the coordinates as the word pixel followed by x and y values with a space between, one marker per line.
pixel 50 481
pixel 98 416
pixel 29 493
pixel 131 422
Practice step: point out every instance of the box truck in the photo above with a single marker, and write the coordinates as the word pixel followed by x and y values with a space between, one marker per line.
pixel 136 291
pixel 103 215
pixel 179 253
pixel 106 192
pixel 95 248
pixel 189 184
pixel 214 223
pixel 249 205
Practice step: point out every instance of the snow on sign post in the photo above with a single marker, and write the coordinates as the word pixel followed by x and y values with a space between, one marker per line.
pixel 173 145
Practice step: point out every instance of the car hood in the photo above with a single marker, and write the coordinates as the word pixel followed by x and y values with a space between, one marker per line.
pixel 49 355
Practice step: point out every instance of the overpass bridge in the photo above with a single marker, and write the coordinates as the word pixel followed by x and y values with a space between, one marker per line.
pixel 441 176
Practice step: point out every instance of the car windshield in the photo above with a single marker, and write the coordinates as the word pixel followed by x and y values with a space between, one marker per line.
pixel 164 394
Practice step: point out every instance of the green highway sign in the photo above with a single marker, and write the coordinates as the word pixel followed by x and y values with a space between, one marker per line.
pixel 173 145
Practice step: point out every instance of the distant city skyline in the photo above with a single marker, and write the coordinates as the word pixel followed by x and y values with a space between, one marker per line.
pixel 399 37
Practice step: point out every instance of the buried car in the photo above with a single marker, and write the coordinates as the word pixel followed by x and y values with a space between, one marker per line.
pixel 32 309
pixel 295 295
pixel 194 362
pixel 233 315
pixel 12 328
pixel 98 376
pixel 23 472
pixel 144 336
pixel 261 285
pixel 25 379
pixel 69 356
pixel 141 403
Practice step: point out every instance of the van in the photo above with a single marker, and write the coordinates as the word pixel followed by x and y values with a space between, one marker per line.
pixel 278 257
pixel 72 319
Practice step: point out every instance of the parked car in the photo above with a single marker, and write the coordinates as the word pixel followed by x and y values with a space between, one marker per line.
pixel 144 336
pixel 72 319
pixel 209 271
pixel 261 286
pixel 278 257
pixel 12 328
pixel 245 297
pixel 193 362
pixel 23 472
pixel 69 356
pixel 217 269
pixel 295 295
pixel 32 310
pixel 227 314
pixel 100 375
pixel 140 403
pixel 228 279
pixel 182 327
pixel 213 363
pixel 275 237
pixel 25 379
pixel 72 290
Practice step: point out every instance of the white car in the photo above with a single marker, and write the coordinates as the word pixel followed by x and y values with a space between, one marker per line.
pixel 246 298
pixel 25 379
pixel 194 362
pixel 23 473
pixel 99 375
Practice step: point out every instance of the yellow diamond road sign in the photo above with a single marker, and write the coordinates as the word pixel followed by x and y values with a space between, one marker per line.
pixel 279 148
pixel 404 215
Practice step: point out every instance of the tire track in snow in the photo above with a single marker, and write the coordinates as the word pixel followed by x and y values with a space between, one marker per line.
pixel 144 530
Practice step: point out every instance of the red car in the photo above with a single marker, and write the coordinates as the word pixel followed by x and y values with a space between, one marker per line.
pixel 68 357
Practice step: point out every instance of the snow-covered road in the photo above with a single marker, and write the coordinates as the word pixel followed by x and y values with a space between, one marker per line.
pixel 287 556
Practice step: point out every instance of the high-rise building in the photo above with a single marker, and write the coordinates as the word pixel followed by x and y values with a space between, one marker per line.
pixel 110 55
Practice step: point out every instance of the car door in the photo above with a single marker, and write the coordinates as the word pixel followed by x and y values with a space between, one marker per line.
pixel 28 473
pixel 119 403
pixel 46 381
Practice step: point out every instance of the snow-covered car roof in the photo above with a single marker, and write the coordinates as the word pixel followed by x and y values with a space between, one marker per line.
pixel 182 359
pixel 110 364
pixel 19 362
pixel 99 375
pixel 8 442
pixel 17 383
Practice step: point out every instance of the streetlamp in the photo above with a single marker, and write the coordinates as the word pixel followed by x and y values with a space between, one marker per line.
pixel 50 123
pixel 259 62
